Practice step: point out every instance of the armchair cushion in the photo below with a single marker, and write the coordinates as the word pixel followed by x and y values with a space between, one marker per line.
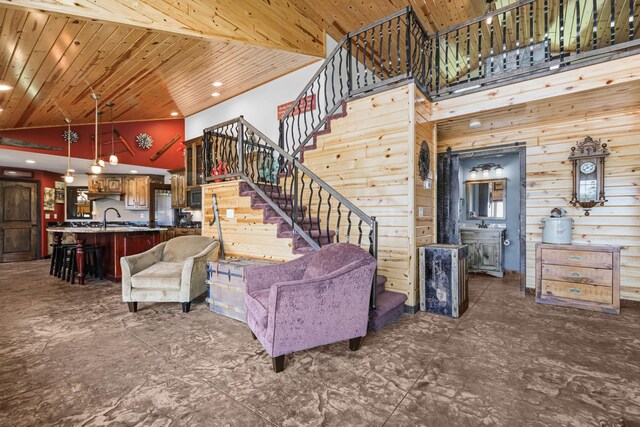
pixel 333 258
pixel 179 249
pixel 161 275
pixel 259 302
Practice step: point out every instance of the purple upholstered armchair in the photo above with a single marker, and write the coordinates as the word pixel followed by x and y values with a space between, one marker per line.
pixel 318 299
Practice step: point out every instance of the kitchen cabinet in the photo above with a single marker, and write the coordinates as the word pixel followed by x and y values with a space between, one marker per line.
pixel 105 184
pixel 194 163
pixel 485 250
pixel 178 189
pixel 136 189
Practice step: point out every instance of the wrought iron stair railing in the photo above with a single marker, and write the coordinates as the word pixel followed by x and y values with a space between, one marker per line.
pixel 378 55
pixel 312 208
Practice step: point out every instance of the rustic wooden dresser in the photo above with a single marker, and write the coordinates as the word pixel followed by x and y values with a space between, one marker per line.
pixel 579 276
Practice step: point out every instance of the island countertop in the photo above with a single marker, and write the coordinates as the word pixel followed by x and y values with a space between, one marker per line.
pixel 95 230
pixel 111 243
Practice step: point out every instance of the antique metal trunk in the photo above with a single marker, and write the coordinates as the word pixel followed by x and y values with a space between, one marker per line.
pixel 227 288
pixel 443 279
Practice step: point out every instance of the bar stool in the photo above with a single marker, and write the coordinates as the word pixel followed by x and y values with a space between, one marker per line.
pixel 57 257
pixel 92 265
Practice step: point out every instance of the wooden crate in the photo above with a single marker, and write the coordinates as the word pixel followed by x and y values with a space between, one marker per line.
pixel 579 276
pixel 226 280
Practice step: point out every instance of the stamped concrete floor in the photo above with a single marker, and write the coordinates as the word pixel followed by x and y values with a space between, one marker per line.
pixel 72 355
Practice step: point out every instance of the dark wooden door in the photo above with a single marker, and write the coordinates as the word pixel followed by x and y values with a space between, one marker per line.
pixel 18 221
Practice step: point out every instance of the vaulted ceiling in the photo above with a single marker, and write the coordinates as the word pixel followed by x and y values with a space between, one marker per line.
pixel 54 59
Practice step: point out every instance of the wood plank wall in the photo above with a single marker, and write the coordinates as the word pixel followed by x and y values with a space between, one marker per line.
pixel 244 235
pixel 424 225
pixel 549 177
pixel 366 158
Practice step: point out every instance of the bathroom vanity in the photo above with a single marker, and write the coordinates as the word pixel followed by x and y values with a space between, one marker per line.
pixel 486 253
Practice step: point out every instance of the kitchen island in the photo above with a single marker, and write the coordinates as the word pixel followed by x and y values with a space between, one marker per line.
pixel 115 242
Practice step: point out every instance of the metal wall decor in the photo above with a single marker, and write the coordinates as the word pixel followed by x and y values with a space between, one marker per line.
pixel 424 162
pixel 588 159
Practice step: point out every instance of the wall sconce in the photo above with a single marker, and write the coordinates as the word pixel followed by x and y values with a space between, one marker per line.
pixel 486 169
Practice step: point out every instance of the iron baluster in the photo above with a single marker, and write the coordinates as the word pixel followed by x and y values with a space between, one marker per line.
pixel 294 219
pixel 457 57
pixel 595 24
pixel 399 58
pixel 373 55
pixel 531 34
pixel 468 53
pixel 318 215
pixel 631 20
pixel 360 233
pixel 240 147
pixel 349 227
pixel 612 39
pixel 491 50
pixel 578 26
pixel 389 39
pixel 480 49
pixel 446 60
pixel 328 219
pixel 547 48
pixel 357 63
pixel 408 59
pixel 309 205
pixel 517 37
pixel 338 223
pixel 381 52
pixel 437 64
pixel 504 41
pixel 430 68
pixel 561 30
pixel 349 62
pixel 364 57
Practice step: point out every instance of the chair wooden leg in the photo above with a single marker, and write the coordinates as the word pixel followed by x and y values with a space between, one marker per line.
pixel 133 307
pixel 186 306
pixel 278 363
pixel 253 335
pixel 354 343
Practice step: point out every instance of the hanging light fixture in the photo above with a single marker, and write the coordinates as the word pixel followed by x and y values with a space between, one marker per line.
pixel 113 159
pixel 68 177
pixel 96 167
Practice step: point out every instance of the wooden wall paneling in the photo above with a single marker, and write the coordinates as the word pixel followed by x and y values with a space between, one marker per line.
pixel 605 74
pixel 244 235
pixel 548 183
pixel 366 158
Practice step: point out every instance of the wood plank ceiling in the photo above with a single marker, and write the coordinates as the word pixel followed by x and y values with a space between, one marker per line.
pixel 55 61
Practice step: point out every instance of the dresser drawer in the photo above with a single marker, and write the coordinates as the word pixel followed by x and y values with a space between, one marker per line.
pixel 585 276
pixel 602 260
pixel 577 291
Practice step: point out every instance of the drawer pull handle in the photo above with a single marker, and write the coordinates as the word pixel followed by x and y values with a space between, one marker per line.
pixel 575 257
pixel 575 291
pixel 575 274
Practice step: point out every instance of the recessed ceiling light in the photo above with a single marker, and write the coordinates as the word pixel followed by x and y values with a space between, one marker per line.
pixel 30 161
pixel 475 123
pixel 134 171
pixel 175 113
pixel 72 170
pixel 215 94
pixel 217 84
pixel 11 172
pixel 4 86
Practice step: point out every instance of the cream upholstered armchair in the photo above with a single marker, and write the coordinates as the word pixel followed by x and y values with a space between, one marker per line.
pixel 173 271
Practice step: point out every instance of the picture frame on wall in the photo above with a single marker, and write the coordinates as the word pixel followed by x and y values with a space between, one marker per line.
pixel 49 198
pixel 59 192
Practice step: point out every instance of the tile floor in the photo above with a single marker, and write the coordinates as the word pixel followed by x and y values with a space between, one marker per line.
pixel 72 355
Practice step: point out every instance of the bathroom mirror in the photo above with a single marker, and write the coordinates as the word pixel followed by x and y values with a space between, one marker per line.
pixel 487 199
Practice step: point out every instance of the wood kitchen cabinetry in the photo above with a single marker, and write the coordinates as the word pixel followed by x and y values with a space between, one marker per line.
pixel 485 250
pixel 193 163
pixel 136 189
pixel 178 189
pixel 105 184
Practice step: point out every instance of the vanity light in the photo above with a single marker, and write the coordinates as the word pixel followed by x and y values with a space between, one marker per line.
pixel 474 173
pixel 499 170
pixel 486 169
pixel 485 172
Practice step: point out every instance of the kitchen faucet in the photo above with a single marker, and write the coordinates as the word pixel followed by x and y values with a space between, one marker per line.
pixel 104 217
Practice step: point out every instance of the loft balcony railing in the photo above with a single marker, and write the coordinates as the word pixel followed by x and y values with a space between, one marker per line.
pixel 516 42
pixel 527 39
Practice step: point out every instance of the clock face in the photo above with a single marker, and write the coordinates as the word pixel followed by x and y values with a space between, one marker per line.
pixel 587 167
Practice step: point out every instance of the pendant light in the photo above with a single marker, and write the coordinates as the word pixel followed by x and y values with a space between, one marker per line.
pixel 68 177
pixel 113 159
pixel 95 167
